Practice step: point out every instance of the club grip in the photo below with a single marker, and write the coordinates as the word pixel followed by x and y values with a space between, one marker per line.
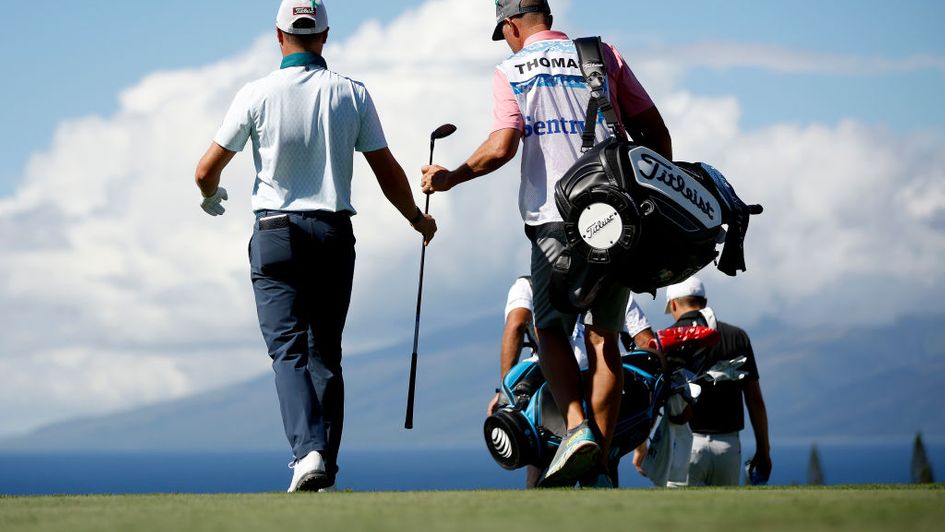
pixel 408 422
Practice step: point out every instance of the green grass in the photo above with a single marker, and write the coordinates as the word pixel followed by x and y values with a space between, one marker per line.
pixel 756 509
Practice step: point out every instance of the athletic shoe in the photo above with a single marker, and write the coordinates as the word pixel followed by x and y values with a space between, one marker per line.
pixel 309 473
pixel 577 453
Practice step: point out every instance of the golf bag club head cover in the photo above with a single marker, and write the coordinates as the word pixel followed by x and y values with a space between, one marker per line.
pixel 675 338
pixel 688 346
pixel 635 218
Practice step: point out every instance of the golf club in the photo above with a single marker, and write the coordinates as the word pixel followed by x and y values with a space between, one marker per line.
pixel 441 132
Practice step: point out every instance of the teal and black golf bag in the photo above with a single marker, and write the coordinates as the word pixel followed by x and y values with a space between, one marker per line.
pixel 528 426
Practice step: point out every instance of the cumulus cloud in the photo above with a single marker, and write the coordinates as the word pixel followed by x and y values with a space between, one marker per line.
pixel 108 257
pixel 118 290
pixel 852 228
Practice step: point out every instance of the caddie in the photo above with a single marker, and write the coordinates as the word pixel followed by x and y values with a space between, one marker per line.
pixel 541 98
pixel 305 122
pixel 719 414
pixel 519 324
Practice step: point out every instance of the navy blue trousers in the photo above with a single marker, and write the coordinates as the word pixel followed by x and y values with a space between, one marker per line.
pixel 302 275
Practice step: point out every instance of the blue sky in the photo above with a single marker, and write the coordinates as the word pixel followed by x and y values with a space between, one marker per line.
pixel 75 65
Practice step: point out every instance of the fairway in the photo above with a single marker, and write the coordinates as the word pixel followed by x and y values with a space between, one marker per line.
pixel 808 509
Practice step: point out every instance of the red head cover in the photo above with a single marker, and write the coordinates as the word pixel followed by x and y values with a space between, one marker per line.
pixel 695 336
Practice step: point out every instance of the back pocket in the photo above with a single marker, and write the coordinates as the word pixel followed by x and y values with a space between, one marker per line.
pixel 272 244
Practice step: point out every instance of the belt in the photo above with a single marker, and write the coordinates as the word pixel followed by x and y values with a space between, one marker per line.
pixel 308 215
pixel 717 436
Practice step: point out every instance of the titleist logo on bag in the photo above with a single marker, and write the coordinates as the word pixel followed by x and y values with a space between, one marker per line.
pixel 597 226
pixel 656 173
pixel 601 226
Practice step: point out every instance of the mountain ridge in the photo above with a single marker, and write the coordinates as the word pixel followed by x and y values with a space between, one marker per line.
pixel 848 382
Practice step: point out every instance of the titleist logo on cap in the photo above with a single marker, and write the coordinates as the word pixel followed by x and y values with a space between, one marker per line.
pixel 303 11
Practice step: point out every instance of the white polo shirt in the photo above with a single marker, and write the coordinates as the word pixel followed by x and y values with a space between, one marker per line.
pixel 520 296
pixel 305 122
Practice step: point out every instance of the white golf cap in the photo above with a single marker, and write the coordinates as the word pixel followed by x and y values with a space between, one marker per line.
pixel 291 11
pixel 691 287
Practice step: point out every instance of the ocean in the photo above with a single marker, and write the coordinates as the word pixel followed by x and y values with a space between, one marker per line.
pixel 463 469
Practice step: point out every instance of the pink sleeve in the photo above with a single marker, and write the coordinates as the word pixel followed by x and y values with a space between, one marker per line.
pixel 506 113
pixel 626 93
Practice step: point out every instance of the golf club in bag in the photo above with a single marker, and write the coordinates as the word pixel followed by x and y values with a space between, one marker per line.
pixel 439 133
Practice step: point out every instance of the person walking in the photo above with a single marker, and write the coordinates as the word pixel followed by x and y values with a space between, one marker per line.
pixel 540 101
pixel 520 324
pixel 305 122
pixel 718 415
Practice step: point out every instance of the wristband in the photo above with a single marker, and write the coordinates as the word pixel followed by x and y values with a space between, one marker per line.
pixel 418 218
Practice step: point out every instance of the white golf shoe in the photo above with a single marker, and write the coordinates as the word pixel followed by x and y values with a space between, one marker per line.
pixel 308 474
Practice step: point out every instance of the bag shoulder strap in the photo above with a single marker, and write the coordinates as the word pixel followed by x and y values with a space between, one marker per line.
pixel 594 68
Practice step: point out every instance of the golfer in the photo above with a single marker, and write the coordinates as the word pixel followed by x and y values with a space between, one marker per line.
pixel 305 122
pixel 540 101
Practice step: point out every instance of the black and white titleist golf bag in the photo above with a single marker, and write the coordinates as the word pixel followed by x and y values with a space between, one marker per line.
pixel 633 217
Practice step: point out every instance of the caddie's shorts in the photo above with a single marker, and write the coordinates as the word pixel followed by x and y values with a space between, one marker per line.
pixel 610 307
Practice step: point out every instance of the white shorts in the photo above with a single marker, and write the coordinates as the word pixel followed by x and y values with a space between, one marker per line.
pixel 716 460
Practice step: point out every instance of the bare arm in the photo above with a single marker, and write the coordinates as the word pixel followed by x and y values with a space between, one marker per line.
pixel 393 182
pixel 513 337
pixel 495 152
pixel 210 168
pixel 639 454
pixel 648 129
pixel 512 340
pixel 759 424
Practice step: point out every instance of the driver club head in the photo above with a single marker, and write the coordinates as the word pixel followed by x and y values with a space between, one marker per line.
pixel 443 131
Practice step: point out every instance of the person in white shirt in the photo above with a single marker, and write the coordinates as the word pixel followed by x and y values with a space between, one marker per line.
pixel 305 123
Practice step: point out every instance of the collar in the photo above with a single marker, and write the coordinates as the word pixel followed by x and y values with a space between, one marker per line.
pixel 693 317
pixel 304 59
pixel 547 35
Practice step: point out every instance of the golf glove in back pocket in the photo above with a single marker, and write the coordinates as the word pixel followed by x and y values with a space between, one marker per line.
pixel 272 244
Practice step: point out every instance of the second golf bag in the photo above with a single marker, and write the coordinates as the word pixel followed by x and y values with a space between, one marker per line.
pixel 633 217
pixel 528 426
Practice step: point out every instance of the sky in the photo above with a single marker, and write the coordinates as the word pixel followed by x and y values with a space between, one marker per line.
pixel 118 291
